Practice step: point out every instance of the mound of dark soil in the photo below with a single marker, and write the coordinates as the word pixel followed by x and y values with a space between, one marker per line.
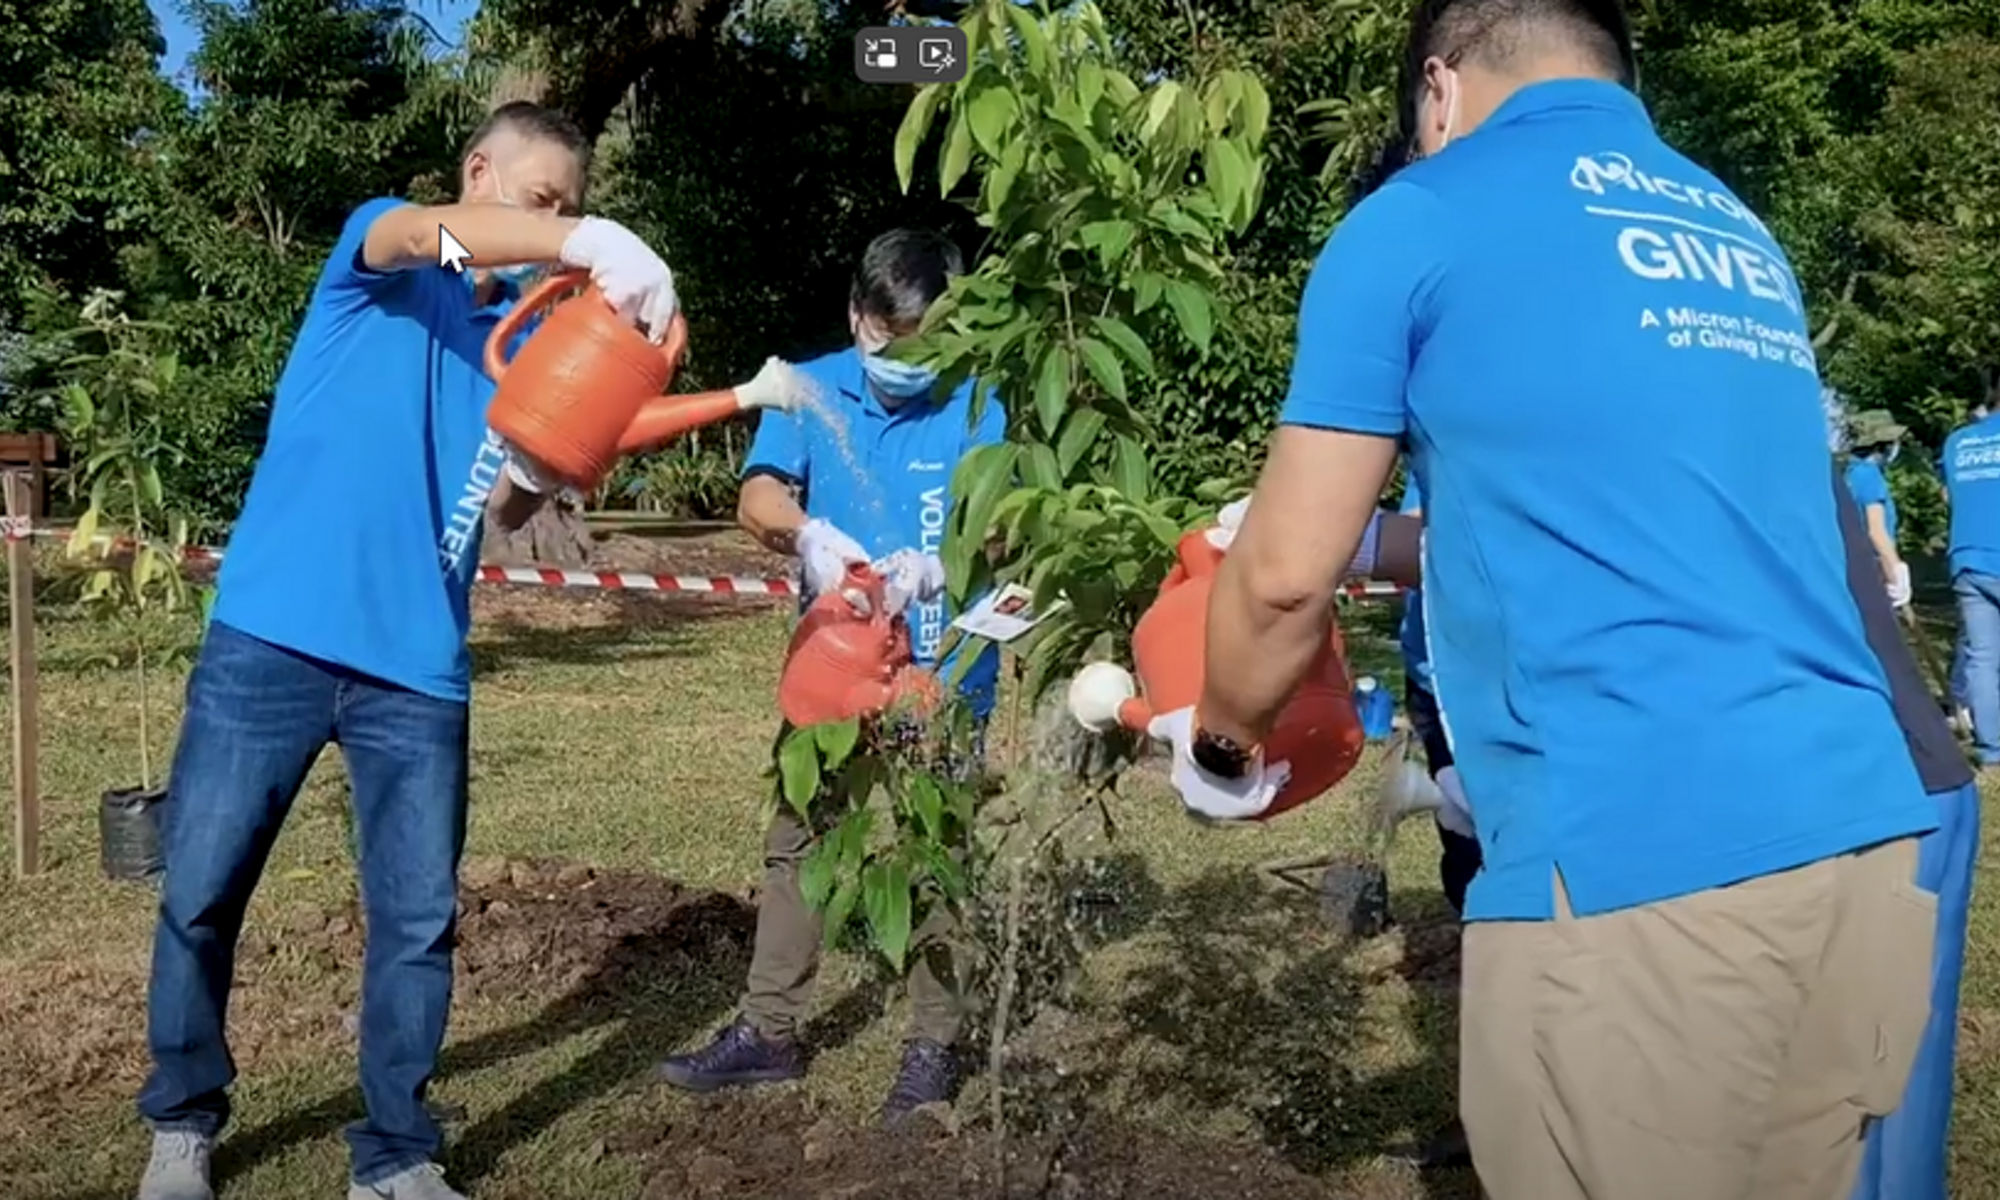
pixel 772 1148
pixel 539 928
pixel 551 928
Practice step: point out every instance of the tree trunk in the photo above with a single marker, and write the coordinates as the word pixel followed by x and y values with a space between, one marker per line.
pixel 554 537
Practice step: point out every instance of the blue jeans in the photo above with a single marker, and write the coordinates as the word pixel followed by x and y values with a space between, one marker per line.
pixel 257 717
pixel 1979 625
pixel 1906 1150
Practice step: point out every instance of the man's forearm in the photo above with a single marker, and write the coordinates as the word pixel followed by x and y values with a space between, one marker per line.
pixel 768 511
pixel 1272 606
pixel 496 234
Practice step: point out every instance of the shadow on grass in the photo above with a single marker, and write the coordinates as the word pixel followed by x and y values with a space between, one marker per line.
pixel 660 989
pixel 1262 1002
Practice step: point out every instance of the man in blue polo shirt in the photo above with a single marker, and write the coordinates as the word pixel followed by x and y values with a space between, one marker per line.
pixel 1695 961
pixel 1873 440
pixel 341 617
pixel 875 490
pixel 1972 486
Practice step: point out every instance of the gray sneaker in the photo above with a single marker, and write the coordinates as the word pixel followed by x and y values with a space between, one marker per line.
pixel 425 1181
pixel 178 1169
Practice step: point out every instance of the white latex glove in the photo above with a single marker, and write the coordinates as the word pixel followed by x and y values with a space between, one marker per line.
pixel 634 279
pixel 1455 813
pixel 777 384
pixel 1227 522
pixel 1899 591
pixel 1211 796
pixel 824 554
pixel 910 575
pixel 529 475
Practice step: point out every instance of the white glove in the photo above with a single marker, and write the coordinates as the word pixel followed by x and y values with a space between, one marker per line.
pixel 529 475
pixel 634 279
pixel 824 554
pixel 777 384
pixel 1227 522
pixel 1455 813
pixel 1211 796
pixel 910 575
pixel 1899 591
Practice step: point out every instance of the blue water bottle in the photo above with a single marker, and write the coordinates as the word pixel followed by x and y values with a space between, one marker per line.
pixel 1375 707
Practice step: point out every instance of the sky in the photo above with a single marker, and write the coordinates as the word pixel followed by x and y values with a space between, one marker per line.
pixel 447 16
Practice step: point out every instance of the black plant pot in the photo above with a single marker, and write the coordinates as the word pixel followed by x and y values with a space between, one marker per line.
pixel 1354 895
pixel 128 829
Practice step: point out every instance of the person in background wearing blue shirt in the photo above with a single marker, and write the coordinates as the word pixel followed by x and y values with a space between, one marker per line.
pixel 879 492
pixel 341 617
pixel 1972 488
pixel 1696 961
pixel 1874 438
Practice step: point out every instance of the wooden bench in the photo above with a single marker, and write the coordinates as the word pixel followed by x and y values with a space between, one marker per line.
pixel 36 454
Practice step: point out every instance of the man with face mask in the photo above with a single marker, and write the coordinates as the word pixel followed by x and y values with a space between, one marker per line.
pixel 341 617
pixel 860 475
pixel 1696 961
pixel 1874 439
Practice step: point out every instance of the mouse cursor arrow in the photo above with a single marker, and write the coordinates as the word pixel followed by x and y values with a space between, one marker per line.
pixel 451 252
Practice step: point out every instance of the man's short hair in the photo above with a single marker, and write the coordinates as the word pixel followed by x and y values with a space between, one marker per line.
pixel 902 272
pixel 531 120
pixel 1498 34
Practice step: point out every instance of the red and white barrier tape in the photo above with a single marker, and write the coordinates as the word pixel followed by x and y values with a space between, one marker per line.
pixel 18 529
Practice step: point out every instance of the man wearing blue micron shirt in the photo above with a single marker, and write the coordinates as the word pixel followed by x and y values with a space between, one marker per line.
pixel 1696 961
pixel 341 617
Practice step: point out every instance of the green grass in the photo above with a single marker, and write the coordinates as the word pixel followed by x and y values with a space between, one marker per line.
pixel 625 733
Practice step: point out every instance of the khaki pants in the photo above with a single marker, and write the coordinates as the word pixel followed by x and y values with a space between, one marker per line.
pixel 1726 1045
pixel 786 955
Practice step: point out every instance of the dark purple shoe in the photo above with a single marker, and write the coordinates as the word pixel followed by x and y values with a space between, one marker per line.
pixel 929 1075
pixel 738 1057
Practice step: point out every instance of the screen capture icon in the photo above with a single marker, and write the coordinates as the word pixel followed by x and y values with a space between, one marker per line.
pixel 910 54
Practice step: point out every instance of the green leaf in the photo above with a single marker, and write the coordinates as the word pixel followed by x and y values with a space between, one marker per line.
pixel 885 888
pixel 1191 308
pixel 1254 110
pixel 798 769
pixel 1078 435
pixel 989 115
pixel 836 740
pixel 1052 389
pixel 1146 291
pixel 149 483
pixel 1034 40
pixel 816 874
pixel 982 478
pixel 927 805
pixel 945 870
pixel 1228 175
pixel 1089 83
pixel 1039 467
pixel 82 412
pixel 82 539
pixel 1119 334
pixel 1111 239
pixel 1129 472
pixel 1166 94
pixel 1103 366
pixel 838 910
pixel 915 127
pixel 957 152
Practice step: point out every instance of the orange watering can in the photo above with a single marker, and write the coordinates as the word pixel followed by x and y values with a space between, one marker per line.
pixel 1317 732
pixel 849 658
pixel 586 387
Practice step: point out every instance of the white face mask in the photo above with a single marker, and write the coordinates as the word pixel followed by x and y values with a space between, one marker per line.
pixel 1453 89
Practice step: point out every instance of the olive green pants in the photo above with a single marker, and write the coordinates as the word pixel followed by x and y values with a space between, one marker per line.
pixel 786 955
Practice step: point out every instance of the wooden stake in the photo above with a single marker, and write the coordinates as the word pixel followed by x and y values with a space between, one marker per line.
pixel 25 693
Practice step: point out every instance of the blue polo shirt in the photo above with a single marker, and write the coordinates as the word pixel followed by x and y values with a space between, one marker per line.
pixel 359 539
pixel 884 479
pixel 1972 475
pixel 1416 658
pixel 1636 598
pixel 1867 483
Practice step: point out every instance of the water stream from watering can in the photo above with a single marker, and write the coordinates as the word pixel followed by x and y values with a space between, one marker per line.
pixel 820 405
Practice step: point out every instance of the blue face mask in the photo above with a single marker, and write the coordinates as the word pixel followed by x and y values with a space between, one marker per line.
pixel 897 380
